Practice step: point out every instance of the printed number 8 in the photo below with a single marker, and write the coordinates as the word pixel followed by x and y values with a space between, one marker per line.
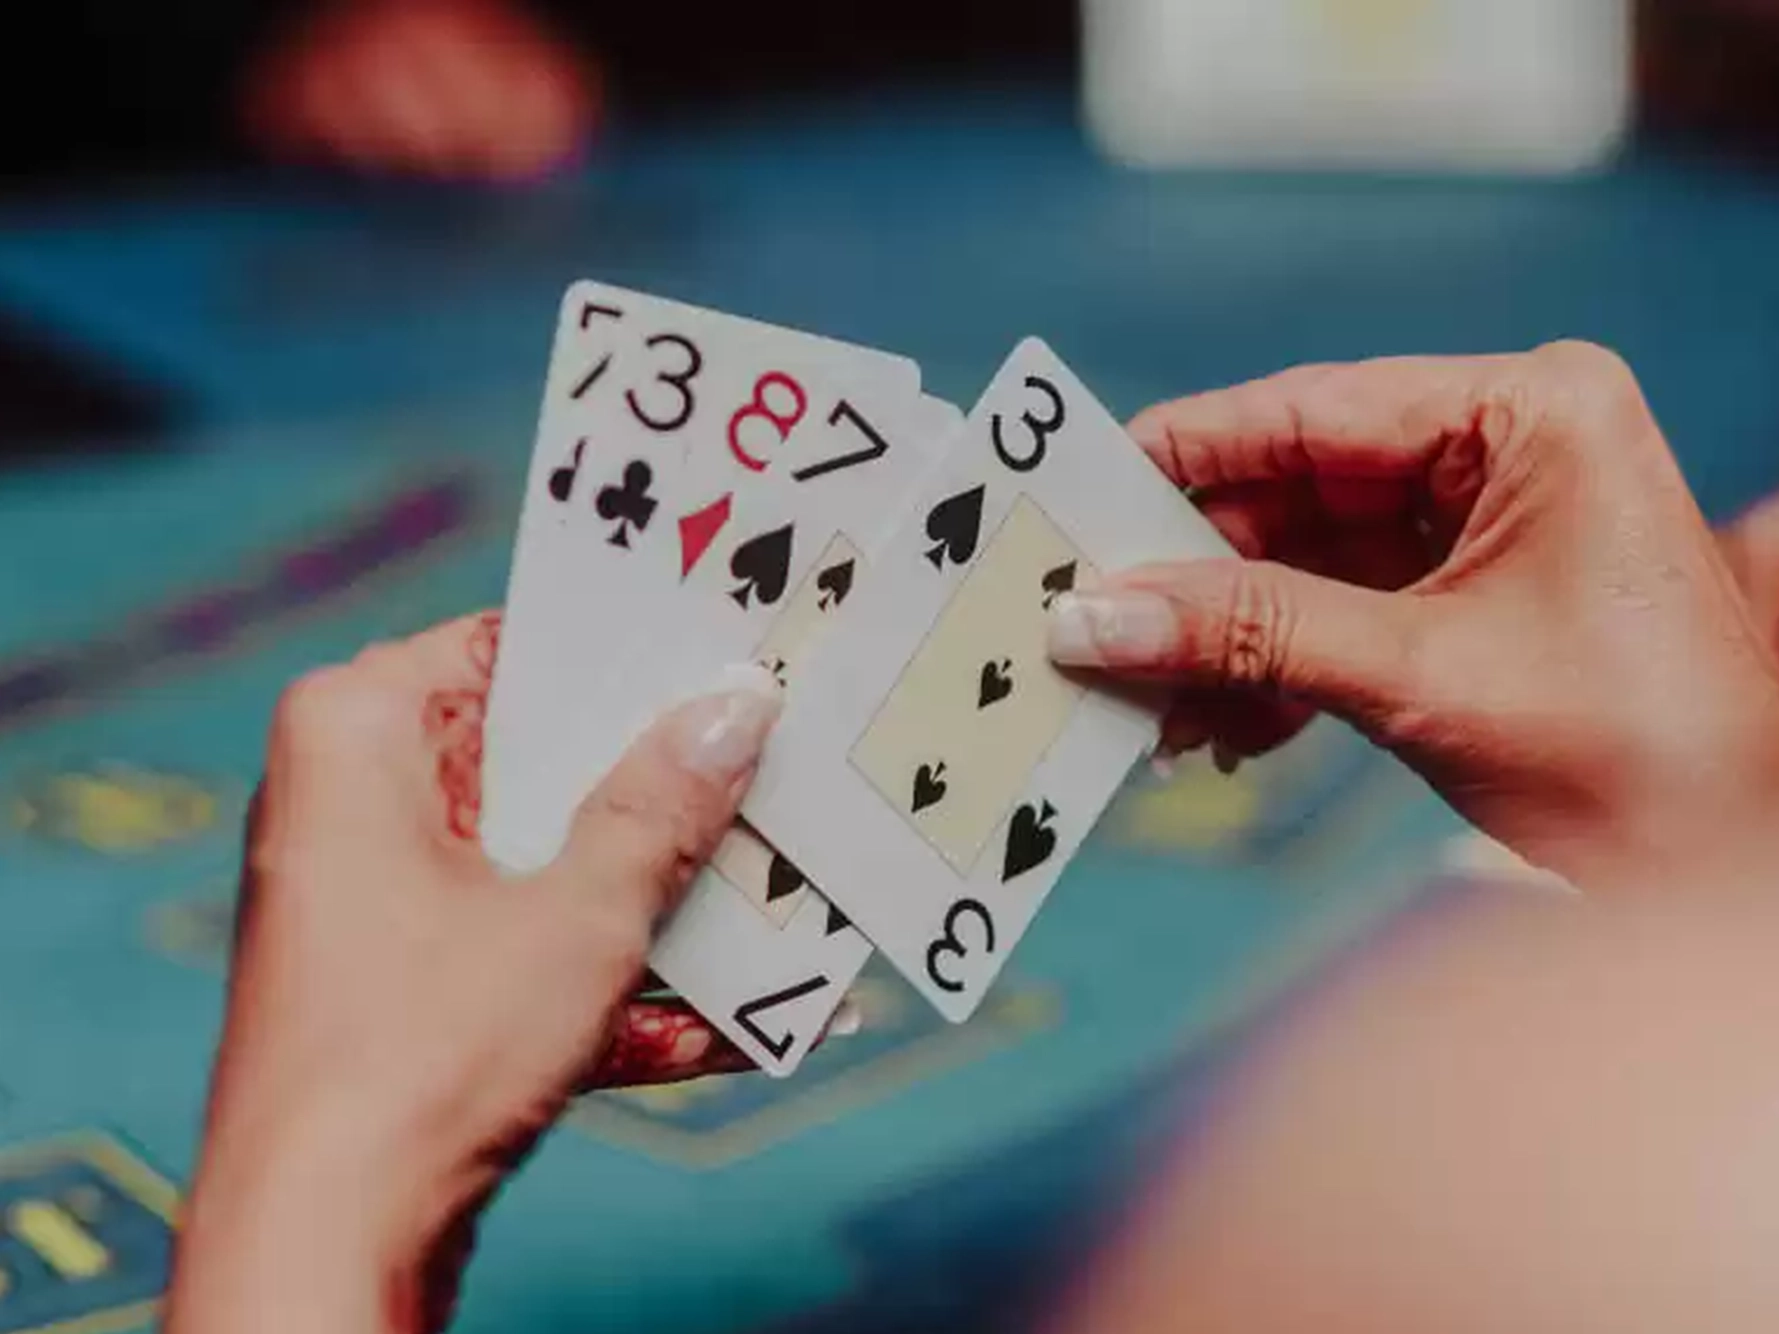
pixel 1041 429
pixel 785 422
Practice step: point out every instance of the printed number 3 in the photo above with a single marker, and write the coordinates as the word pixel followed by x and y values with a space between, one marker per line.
pixel 1040 428
pixel 680 382
pixel 950 946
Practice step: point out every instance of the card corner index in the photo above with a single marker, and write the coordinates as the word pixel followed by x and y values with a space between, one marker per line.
pixel 577 291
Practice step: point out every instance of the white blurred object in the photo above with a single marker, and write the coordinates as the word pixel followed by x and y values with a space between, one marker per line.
pixel 1470 85
pixel 1476 854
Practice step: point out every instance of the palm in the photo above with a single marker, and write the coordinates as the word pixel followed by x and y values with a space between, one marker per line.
pixel 1382 533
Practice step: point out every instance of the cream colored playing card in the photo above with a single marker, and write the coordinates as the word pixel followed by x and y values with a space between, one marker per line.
pixel 769 882
pixel 821 595
pixel 980 703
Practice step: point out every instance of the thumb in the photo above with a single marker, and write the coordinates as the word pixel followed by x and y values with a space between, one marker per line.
pixel 656 818
pixel 1230 624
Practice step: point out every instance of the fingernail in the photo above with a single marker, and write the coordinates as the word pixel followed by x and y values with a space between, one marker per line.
pixel 848 1020
pixel 720 737
pixel 1164 766
pixel 1110 629
pixel 1226 760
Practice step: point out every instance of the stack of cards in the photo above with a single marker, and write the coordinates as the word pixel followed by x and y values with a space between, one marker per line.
pixel 709 490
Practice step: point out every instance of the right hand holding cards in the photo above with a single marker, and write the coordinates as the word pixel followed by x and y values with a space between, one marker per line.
pixel 933 773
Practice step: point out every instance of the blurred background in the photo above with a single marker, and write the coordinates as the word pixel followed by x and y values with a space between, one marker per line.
pixel 277 284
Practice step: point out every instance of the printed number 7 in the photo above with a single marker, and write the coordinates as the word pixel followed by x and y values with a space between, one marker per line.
pixel 875 449
pixel 592 377
pixel 744 1015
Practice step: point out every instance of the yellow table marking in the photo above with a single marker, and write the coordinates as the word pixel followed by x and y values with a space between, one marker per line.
pixel 56 1236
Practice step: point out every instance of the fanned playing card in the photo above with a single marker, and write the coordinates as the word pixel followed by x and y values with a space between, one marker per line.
pixel 933 772
pixel 756 947
pixel 662 426
pixel 705 490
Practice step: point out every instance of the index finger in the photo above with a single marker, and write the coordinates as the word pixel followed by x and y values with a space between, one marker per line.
pixel 1374 419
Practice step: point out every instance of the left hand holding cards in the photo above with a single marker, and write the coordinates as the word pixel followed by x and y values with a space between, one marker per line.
pixel 397 1034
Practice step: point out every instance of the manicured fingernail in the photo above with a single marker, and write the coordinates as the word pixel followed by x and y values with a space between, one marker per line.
pixel 1164 766
pixel 720 736
pixel 1110 629
pixel 848 1020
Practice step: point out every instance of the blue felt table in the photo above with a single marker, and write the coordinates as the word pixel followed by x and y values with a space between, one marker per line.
pixel 364 365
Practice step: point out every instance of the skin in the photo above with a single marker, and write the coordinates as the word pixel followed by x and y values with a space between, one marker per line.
pixel 403 1023
pixel 1493 568
pixel 1532 1116
pixel 1528 1114
pixel 1751 550
pixel 1528 1117
pixel 472 90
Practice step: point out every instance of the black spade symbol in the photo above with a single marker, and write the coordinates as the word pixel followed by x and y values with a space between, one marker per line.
pixel 929 786
pixel 996 683
pixel 782 879
pixel 955 525
pixel 1030 841
pixel 834 583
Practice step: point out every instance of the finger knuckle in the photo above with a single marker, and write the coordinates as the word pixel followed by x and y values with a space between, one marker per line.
pixel 1259 625
pixel 309 703
pixel 1591 363
pixel 333 707
pixel 383 659
pixel 1595 382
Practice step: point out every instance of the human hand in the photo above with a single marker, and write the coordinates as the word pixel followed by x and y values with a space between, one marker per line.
pixel 452 89
pixel 1750 546
pixel 402 1022
pixel 1493 567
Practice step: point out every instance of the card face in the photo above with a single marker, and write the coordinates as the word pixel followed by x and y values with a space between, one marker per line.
pixel 761 875
pixel 769 986
pixel 704 491
pixel 933 772
pixel 755 947
pixel 678 453
pixel 824 592
pixel 771 976
pixel 981 673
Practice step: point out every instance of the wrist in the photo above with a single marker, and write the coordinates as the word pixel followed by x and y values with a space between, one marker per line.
pixel 1703 820
pixel 310 1222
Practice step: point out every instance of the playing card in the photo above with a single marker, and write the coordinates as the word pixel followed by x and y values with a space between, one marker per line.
pixel 758 952
pixel 933 772
pixel 755 947
pixel 660 421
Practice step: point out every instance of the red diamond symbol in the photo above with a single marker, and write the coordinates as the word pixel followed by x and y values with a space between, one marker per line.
pixel 698 530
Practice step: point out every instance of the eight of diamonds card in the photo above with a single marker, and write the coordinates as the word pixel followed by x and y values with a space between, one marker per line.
pixel 934 773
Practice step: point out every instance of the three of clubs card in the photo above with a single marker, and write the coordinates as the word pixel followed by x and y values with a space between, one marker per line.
pixel 708 490
pixel 704 490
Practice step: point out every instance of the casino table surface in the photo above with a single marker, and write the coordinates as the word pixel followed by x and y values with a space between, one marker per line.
pixel 360 367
